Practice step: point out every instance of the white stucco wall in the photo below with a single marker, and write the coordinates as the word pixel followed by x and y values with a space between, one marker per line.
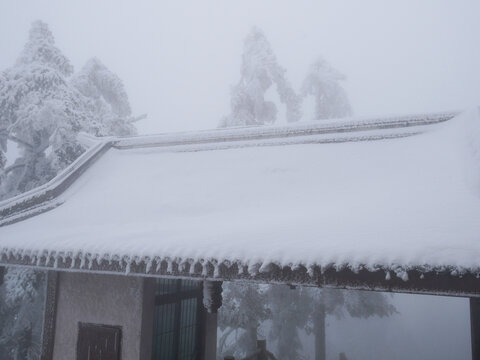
pixel 100 299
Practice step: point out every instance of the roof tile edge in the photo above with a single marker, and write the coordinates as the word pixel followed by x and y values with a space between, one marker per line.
pixel 445 281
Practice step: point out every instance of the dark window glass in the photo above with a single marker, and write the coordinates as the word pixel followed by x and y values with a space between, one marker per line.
pixel 98 342
pixel 166 286
pixel 176 333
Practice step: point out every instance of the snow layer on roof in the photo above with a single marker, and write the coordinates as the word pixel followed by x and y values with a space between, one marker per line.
pixel 400 202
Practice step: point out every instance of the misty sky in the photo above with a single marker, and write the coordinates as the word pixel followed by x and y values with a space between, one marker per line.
pixel 178 59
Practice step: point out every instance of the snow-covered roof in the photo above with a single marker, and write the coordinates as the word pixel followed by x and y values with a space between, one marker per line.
pixel 224 204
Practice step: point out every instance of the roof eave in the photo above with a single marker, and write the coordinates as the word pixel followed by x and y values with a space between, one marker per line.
pixel 444 282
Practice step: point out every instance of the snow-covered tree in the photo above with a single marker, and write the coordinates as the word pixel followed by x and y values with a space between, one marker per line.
pixel 23 297
pixel 324 83
pixel 248 310
pixel 107 107
pixel 259 71
pixel 43 107
pixel 243 310
pixel 34 101
pixel 359 304
pixel 290 309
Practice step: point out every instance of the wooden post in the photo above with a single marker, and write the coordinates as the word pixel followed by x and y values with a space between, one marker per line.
pixel 50 316
pixel 262 346
pixel 2 273
pixel 212 301
pixel 319 331
pixel 475 327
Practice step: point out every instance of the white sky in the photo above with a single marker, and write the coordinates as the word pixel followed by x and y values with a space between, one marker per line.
pixel 178 59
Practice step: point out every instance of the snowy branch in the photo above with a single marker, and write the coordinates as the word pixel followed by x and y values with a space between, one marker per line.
pixel 19 141
pixel 10 168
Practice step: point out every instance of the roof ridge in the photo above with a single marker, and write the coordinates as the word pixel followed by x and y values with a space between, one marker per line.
pixel 290 130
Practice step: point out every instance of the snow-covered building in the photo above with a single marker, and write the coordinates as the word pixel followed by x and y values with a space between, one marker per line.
pixel 138 233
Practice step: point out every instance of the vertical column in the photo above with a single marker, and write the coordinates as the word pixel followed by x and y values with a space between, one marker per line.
pixel 148 310
pixel 2 273
pixel 475 327
pixel 212 300
pixel 50 315
pixel 319 329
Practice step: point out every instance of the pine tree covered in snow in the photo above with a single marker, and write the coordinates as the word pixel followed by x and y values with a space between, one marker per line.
pixel 259 71
pixel 35 100
pixel 106 102
pixel 323 83
pixel 43 108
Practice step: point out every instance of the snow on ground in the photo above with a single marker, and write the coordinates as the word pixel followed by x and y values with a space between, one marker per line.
pixel 408 202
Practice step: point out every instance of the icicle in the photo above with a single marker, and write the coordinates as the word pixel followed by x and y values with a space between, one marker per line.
pixel 159 264
pixel 148 267
pixel 253 269
pixel 192 267
pixel 241 269
pixel 82 261
pixel 403 275
pixel 55 263
pixel 294 267
pixel 127 268
pixel 388 276
pixel 182 266
pixel 422 276
pixel 216 271
pixel 204 269
pixel 310 270
pixel 169 266
pixel 265 267
pixel 99 259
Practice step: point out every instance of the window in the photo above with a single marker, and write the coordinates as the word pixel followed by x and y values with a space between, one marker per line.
pixel 98 342
pixel 177 320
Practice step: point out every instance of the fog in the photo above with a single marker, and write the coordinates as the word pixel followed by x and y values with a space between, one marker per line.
pixel 178 60
pixel 426 327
